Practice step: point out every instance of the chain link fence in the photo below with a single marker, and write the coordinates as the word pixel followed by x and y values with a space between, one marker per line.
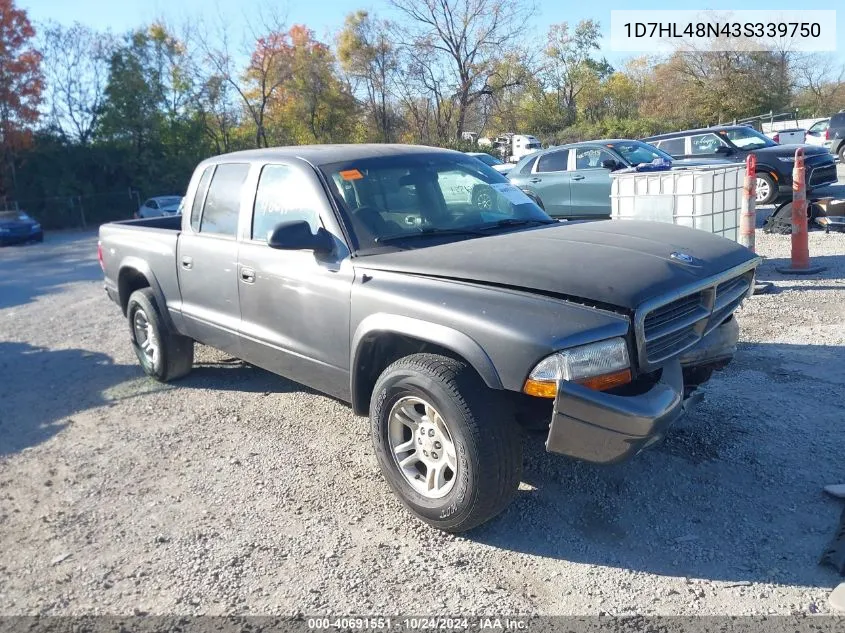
pixel 73 212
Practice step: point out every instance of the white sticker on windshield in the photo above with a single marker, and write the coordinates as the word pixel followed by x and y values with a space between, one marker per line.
pixel 511 193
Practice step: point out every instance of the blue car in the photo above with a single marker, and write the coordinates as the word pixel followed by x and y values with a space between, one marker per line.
pixel 17 227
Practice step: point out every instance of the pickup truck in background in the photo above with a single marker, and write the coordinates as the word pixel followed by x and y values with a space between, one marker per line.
pixel 357 270
pixel 792 136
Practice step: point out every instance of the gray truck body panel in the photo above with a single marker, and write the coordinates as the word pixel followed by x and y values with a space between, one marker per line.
pixel 501 302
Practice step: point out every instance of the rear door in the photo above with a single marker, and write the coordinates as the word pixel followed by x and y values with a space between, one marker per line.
pixel 550 181
pixel 207 258
pixel 589 191
pixel 294 304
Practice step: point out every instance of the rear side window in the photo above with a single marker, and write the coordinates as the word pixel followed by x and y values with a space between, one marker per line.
pixel 704 144
pixel 838 120
pixel 528 166
pixel 553 161
pixel 673 146
pixel 220 214
pixel 199 197
pixel 284 195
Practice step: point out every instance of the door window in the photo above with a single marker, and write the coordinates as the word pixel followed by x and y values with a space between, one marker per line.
pixel 673 146
pixel 591 158
pixel 284 195
pixel 152 204
pixel 553 161
pixel 199 197
pixel 220 213
pixel 703 144
pixel 819 128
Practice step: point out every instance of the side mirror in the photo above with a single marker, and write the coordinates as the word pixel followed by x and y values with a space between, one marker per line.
pixel 724 149
pixel 610 164
pixel 297 236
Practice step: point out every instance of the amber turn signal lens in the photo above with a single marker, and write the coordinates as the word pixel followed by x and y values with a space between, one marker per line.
pixel 540 389
pixel 604 382
pixel 607 381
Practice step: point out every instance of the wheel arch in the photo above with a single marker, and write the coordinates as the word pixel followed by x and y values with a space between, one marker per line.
pixel 134 274
pixel 381 339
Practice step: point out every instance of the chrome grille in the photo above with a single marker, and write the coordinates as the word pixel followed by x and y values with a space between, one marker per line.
pixel 667 326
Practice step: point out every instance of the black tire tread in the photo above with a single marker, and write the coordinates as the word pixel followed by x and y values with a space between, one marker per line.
pixel 500 460
pixel 178 350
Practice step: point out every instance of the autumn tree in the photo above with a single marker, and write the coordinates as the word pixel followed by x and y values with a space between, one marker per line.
pixel 454 46
pixel 368 55
pixel 20 86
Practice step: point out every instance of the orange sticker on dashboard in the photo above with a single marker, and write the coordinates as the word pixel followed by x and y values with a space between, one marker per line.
pixel 351 174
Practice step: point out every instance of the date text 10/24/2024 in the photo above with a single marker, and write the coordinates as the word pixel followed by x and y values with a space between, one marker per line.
pixel 418 624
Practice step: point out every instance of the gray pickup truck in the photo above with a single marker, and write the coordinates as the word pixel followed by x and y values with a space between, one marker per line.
pixel 435 297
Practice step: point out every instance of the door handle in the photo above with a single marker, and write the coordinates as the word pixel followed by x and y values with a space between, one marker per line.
pixel 535 180
pixel 187 263
pixel 248 275
pixel 577 177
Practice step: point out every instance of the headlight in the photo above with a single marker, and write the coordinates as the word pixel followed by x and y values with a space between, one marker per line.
pixel 600 366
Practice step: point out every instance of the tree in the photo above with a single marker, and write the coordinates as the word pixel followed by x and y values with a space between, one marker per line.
pixel 367 54
pixel 76 65
pixel 454 46
pixel 312 105
pixel 20 85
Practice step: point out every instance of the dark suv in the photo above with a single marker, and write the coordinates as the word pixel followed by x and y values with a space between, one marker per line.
pixel 735 142
pixel 836 134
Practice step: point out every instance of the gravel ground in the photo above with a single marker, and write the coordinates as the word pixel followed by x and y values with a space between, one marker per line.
pixel 236 491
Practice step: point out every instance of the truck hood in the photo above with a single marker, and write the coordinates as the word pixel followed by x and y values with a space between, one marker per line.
pixel 612 263
pixel 788 151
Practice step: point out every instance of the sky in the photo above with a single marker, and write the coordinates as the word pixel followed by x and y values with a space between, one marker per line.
pixel 325 17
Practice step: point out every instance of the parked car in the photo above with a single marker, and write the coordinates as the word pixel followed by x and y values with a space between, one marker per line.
pixel 159 206
pixel 573 181
pixel 819 134
pixel 735 142
pixel 836 135
pixel 492 161
pixel 792 136
pixel 345 269
pixel 17 227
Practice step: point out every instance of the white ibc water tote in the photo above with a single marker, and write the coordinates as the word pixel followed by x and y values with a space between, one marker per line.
pixel 706 197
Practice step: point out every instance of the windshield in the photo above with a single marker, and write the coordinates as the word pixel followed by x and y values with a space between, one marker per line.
pixel 417 200
pixel 487 159
pixel 637 152
pixel 747 138
pixel 13 216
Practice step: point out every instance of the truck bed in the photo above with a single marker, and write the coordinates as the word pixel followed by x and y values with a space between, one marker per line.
pixel 148 245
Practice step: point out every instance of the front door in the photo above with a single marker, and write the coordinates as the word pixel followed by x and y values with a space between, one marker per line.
pixel 295 304
pixel 207 259
pixel 549 180
pixel 589 191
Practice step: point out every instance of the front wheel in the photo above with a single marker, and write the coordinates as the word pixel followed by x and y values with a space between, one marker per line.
pixel 841 153
pixel 766 189
pixel 443 441
pixel 163 355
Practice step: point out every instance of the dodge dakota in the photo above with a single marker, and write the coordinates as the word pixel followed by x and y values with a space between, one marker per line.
pixel 373 273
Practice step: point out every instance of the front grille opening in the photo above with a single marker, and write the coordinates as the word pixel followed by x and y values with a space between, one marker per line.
pixel 640 385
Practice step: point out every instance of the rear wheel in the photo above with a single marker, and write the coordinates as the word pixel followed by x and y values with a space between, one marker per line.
pixel 163 355
pixel 841 153
pixel 444 442
pixel 766 189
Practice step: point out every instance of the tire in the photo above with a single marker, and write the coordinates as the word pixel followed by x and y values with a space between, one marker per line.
pixel 486 444
pixel 765 180
pixel 841 153
pixel 484 197
pixel 172 354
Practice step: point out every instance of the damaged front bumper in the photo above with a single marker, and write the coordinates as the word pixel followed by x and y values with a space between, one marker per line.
pixel 604 428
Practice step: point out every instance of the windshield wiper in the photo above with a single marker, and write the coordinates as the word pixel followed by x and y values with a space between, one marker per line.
pixel 508 222
pixel 426 232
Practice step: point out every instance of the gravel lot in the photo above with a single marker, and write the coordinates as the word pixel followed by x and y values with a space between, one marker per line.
pixel 236 491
